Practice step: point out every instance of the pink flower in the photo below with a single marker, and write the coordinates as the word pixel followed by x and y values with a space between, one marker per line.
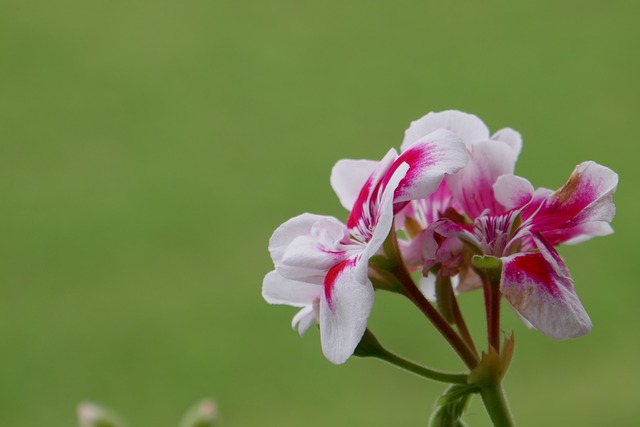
pixel 321 265
pixel 510 221
pixel 468 192
pixel 522 230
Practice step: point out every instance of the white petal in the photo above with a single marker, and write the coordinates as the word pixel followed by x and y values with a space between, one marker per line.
pixel 467 127
pixel 348 177
pixel 305 247
pixel 279 290
pixel 304 319
pixel 511 137
pixel 344 314
pixel 587 231
pixel 512 191
pixel 307 252
pixel 287 232
pixel 427 286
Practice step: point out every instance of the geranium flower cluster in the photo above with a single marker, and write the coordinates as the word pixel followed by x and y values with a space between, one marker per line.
pixel 449 198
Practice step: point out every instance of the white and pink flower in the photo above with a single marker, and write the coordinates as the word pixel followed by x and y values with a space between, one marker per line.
pixel 512 221
pixel 453 193
pixel 468 192
pixel 322 265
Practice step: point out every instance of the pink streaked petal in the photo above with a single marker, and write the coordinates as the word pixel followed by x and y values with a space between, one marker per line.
pixel 348 177
pixel 549 253
pixel 472 187
pixel 450 256
pixel 540 195
pixel 383 216
pixel 447 229
pixel 305 318
pixel 412 251
pixel 579 234
pixel 345 309
pixel 586 197
pixel 538 287
pixel 512 191
pixel 279 290
pixel 361 215
pixel 467 127
pixel 510 137
pixel 429 159
pixel 438 203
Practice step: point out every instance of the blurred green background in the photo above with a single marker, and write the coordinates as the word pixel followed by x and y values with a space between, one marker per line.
pixel 149 149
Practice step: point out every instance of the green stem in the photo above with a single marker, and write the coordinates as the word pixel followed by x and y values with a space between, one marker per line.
pixel 497 406
pixel 369 346
pixel 443 377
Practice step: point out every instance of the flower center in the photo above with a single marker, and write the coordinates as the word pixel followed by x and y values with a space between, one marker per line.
pixel 496 232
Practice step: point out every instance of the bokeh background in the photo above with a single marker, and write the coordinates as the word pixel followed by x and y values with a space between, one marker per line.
pixel 148 149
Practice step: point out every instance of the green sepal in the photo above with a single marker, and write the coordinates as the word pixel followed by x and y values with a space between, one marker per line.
pixel 486 262
pixel 493 366
pixel 369 346
pixel 381 276
pixel 489 265
pixel 488 371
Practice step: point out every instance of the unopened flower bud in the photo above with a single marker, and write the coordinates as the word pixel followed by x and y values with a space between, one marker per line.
pixel 93 415
pixel 202 414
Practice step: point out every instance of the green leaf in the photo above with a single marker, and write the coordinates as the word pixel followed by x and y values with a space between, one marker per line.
pixel 451 406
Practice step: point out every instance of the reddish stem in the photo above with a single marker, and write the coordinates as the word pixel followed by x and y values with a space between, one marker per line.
pixel 462 325
pixel 414 294
pixel 492 297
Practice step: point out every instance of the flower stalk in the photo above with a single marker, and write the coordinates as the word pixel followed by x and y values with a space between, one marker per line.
pixel 411 291
pixel 496 405
pixel 369 346
pixel 467 355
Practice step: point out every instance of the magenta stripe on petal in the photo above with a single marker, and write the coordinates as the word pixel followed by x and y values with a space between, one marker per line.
pixel 587 196
pixel 358 213
pixel 538 287
pixel 362 213
pixel 332 277
pixel 418 157
pixel 535 268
